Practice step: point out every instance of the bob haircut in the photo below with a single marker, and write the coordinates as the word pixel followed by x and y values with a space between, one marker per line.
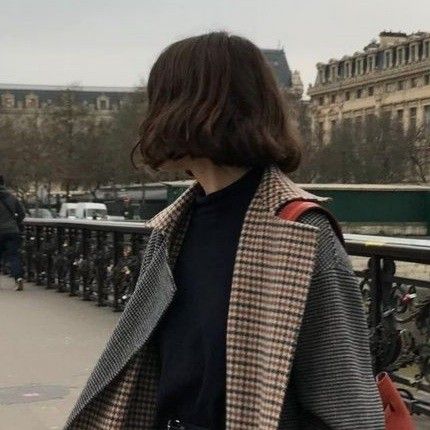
pixel 215 96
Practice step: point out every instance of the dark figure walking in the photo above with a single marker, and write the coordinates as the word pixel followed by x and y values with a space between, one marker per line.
pixel 11 216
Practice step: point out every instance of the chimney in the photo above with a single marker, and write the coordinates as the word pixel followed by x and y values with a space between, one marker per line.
pixel 391 38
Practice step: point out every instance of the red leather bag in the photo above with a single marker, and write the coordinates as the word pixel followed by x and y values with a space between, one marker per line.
pixel 397 416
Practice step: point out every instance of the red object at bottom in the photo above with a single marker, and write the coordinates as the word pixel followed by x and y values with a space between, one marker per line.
pixel 397 416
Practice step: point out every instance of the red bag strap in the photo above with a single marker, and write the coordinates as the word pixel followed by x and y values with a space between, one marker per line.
pixel 296 208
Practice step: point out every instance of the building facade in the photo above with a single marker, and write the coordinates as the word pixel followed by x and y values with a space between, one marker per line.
pixel 391 75
pixel 16 99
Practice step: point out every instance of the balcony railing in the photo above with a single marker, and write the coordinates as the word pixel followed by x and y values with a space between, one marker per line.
pixel 100 261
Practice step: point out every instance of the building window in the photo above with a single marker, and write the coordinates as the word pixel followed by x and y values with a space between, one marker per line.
pixel 359 94
pixel 400 55
pixel 427 80
pixel 390 87
pixel 102 102
pixel 427 49
pixel 427 117
pixel 400 115
pixel 413 118
pixel 333 98
pixel 413 55
pixel 359 66
pixel 413 82
pixel 321 100
pixel 387 59
pixel 31 101
pixel 8 100
pixel 371 91
pixel 400 85
pixel 334 70
pixel 359 122
pixel 347 69
pixel 370 63
pixel 370 118
pixel 347 96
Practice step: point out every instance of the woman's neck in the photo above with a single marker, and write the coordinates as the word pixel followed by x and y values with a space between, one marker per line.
pixel 214 178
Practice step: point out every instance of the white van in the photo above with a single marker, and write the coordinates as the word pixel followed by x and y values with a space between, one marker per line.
pixel 90 210
pixel 68 210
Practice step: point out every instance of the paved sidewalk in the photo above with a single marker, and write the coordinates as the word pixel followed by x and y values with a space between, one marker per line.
pixel 49 343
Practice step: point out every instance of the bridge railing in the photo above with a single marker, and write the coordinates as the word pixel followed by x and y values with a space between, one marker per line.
pixel 92 259
pixel 100 261
pixel 398 308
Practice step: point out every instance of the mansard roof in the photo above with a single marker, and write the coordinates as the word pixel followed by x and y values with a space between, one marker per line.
pixel 52 93
pixel 278 62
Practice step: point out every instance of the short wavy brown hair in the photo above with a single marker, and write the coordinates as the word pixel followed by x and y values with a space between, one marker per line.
pixel 215 96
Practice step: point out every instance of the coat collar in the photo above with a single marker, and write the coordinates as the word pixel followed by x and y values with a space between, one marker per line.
pixel 275 190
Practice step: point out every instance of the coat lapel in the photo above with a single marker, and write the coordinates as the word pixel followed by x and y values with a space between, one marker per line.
pixel 273 268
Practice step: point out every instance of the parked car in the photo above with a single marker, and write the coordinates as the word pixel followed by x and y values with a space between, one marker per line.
pixel 40 213
pixel 91 210
pixel 68 210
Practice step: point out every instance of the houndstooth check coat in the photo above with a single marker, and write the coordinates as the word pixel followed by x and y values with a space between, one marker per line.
pixel 272 273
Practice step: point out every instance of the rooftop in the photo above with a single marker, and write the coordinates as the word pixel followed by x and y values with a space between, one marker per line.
pixel 97 89
pixel 386 39
pixel 278 62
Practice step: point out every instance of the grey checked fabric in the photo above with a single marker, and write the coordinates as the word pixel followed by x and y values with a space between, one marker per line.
pixel 296 333
pixel 331 375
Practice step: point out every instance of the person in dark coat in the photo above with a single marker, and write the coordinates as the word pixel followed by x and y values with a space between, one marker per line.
pixel 11 226
pixel 240 320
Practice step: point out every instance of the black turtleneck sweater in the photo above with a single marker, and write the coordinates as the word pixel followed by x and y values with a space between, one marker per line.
pixel 192 334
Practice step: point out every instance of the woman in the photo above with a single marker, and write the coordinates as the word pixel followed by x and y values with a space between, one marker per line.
pixel 240 319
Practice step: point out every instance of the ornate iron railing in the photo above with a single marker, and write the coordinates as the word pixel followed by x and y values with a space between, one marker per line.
pixel 398 309
pixel 100 261
pixel 91 259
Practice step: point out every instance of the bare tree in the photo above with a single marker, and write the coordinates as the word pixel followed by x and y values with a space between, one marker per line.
pixel 373 150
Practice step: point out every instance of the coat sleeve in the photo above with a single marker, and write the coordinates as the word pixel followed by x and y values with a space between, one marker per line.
pixel 332 384
pixel 19 209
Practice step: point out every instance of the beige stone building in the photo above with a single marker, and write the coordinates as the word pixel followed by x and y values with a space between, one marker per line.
pixel 390 75
pixel 18 100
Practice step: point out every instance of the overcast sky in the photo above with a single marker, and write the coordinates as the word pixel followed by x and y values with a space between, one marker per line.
pixel 114 43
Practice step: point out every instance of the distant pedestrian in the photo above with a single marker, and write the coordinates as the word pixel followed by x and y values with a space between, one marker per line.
pixel 11 227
